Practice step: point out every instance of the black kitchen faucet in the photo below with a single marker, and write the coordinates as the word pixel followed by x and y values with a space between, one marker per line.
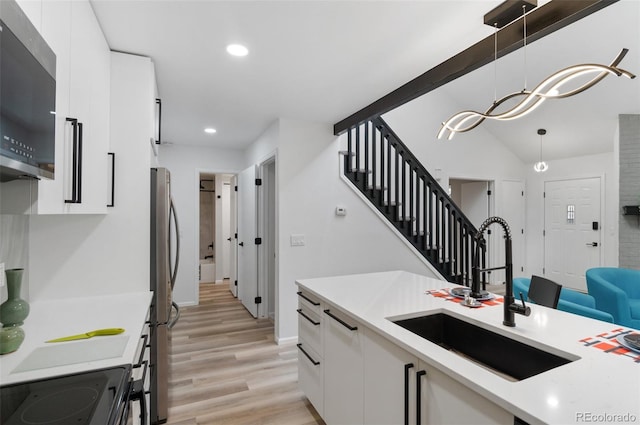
pixel 510 307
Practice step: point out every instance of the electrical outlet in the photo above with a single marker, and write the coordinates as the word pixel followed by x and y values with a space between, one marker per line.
pixel 1 275
pixel 297 240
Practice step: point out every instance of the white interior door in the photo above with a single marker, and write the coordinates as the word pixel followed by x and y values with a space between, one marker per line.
pixel 513 208
pixel 475 203
pixel 226 230
pixel 572 230
pixel 233 232
pixel 267 231
pixel 247 249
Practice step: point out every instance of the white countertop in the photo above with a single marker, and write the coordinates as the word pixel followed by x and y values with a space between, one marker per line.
pixel 58 318
pixel 598 383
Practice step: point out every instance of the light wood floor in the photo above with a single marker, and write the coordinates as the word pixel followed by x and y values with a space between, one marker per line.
pixel 225 368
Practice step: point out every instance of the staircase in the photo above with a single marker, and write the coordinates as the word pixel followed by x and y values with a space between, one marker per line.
pixel 386 172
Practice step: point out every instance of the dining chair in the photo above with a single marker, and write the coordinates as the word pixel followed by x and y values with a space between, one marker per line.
pixel 544 291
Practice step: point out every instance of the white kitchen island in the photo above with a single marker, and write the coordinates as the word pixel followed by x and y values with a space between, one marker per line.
pixel 363 375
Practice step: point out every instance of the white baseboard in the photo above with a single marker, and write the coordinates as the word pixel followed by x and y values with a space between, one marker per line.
pixel 289 340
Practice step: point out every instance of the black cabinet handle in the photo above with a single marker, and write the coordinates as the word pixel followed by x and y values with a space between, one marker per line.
pixel 137 394
pixel 308 299
pixel 301 313
pixel 144 345
pixel 113 179
pixel 419 375
pixel 342 322
pixel 80 134
pixel 159 103
pixel 241 244
pixel 76 152
pixel 315 363
pixel 406 392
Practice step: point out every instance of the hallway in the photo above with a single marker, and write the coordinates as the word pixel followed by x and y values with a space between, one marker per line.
pixel 225 368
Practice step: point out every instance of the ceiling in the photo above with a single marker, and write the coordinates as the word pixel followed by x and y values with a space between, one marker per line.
pixel 322 61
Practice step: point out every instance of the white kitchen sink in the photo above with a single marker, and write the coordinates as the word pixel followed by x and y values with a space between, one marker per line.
pixel 72 352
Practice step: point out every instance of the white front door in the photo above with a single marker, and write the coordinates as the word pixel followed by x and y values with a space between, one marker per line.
pixel 247 249
pixel 572 230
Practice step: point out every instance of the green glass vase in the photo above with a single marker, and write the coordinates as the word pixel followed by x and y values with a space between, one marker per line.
pixel 12 313
pixel 15 309
pixel 11 337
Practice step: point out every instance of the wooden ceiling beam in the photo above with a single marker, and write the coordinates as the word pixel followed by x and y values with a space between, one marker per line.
pixel 541 21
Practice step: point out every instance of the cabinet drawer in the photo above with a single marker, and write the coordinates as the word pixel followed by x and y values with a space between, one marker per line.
pixel 311 376
pixel 309 327
pixel 309 302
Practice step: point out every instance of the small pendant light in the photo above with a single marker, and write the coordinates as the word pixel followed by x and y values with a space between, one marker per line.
pixel 541 166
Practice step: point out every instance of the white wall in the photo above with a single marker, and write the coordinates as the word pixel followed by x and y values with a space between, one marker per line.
pixel 476 155
pixel 185 164
pixel 602 165
pixel 310 188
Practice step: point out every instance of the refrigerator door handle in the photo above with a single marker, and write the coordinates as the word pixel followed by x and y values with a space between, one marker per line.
pixel 174 272
pixel 173 321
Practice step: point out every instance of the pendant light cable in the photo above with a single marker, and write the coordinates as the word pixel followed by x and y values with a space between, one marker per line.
pixel 524 20
pixel 495 63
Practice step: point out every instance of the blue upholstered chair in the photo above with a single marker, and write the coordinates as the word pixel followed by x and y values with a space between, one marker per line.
pixel 570 301
pixel 616 291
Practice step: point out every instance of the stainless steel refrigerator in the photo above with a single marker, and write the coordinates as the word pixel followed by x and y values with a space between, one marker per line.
pixel 165 255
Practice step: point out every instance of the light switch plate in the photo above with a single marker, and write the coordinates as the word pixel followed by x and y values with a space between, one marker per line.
pixel 297 240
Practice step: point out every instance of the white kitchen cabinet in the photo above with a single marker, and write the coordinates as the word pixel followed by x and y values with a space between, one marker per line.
pixel 447 401
pixel 310 360
pixel 391 376
pixel 108 253
pixel 389 382
pixel 311 375
pixel 83 93
pixel 343 368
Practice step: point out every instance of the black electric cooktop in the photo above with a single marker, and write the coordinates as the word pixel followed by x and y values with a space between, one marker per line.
pixel 93 397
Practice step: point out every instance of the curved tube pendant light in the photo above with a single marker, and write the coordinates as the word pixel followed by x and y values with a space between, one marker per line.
pixel 549 88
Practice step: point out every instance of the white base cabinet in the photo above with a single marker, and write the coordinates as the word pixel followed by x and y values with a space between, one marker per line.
pixel 395 380
pixel 367 379
pixel 343 369
pixel 389 382
pixel 310 359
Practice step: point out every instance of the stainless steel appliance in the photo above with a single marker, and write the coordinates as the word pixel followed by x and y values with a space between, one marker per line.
pixel 165 255
pixel 27 97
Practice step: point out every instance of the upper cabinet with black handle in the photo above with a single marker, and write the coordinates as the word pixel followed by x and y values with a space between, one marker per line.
pixel 83 173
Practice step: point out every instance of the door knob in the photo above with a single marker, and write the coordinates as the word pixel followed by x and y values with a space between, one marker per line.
pixel 592 244
pixel 229 239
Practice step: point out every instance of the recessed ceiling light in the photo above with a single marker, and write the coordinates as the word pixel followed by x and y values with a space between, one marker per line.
pixel 210 130
pixel 237 50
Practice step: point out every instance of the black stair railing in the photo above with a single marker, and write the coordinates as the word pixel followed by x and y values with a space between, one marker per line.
pixel 397 184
